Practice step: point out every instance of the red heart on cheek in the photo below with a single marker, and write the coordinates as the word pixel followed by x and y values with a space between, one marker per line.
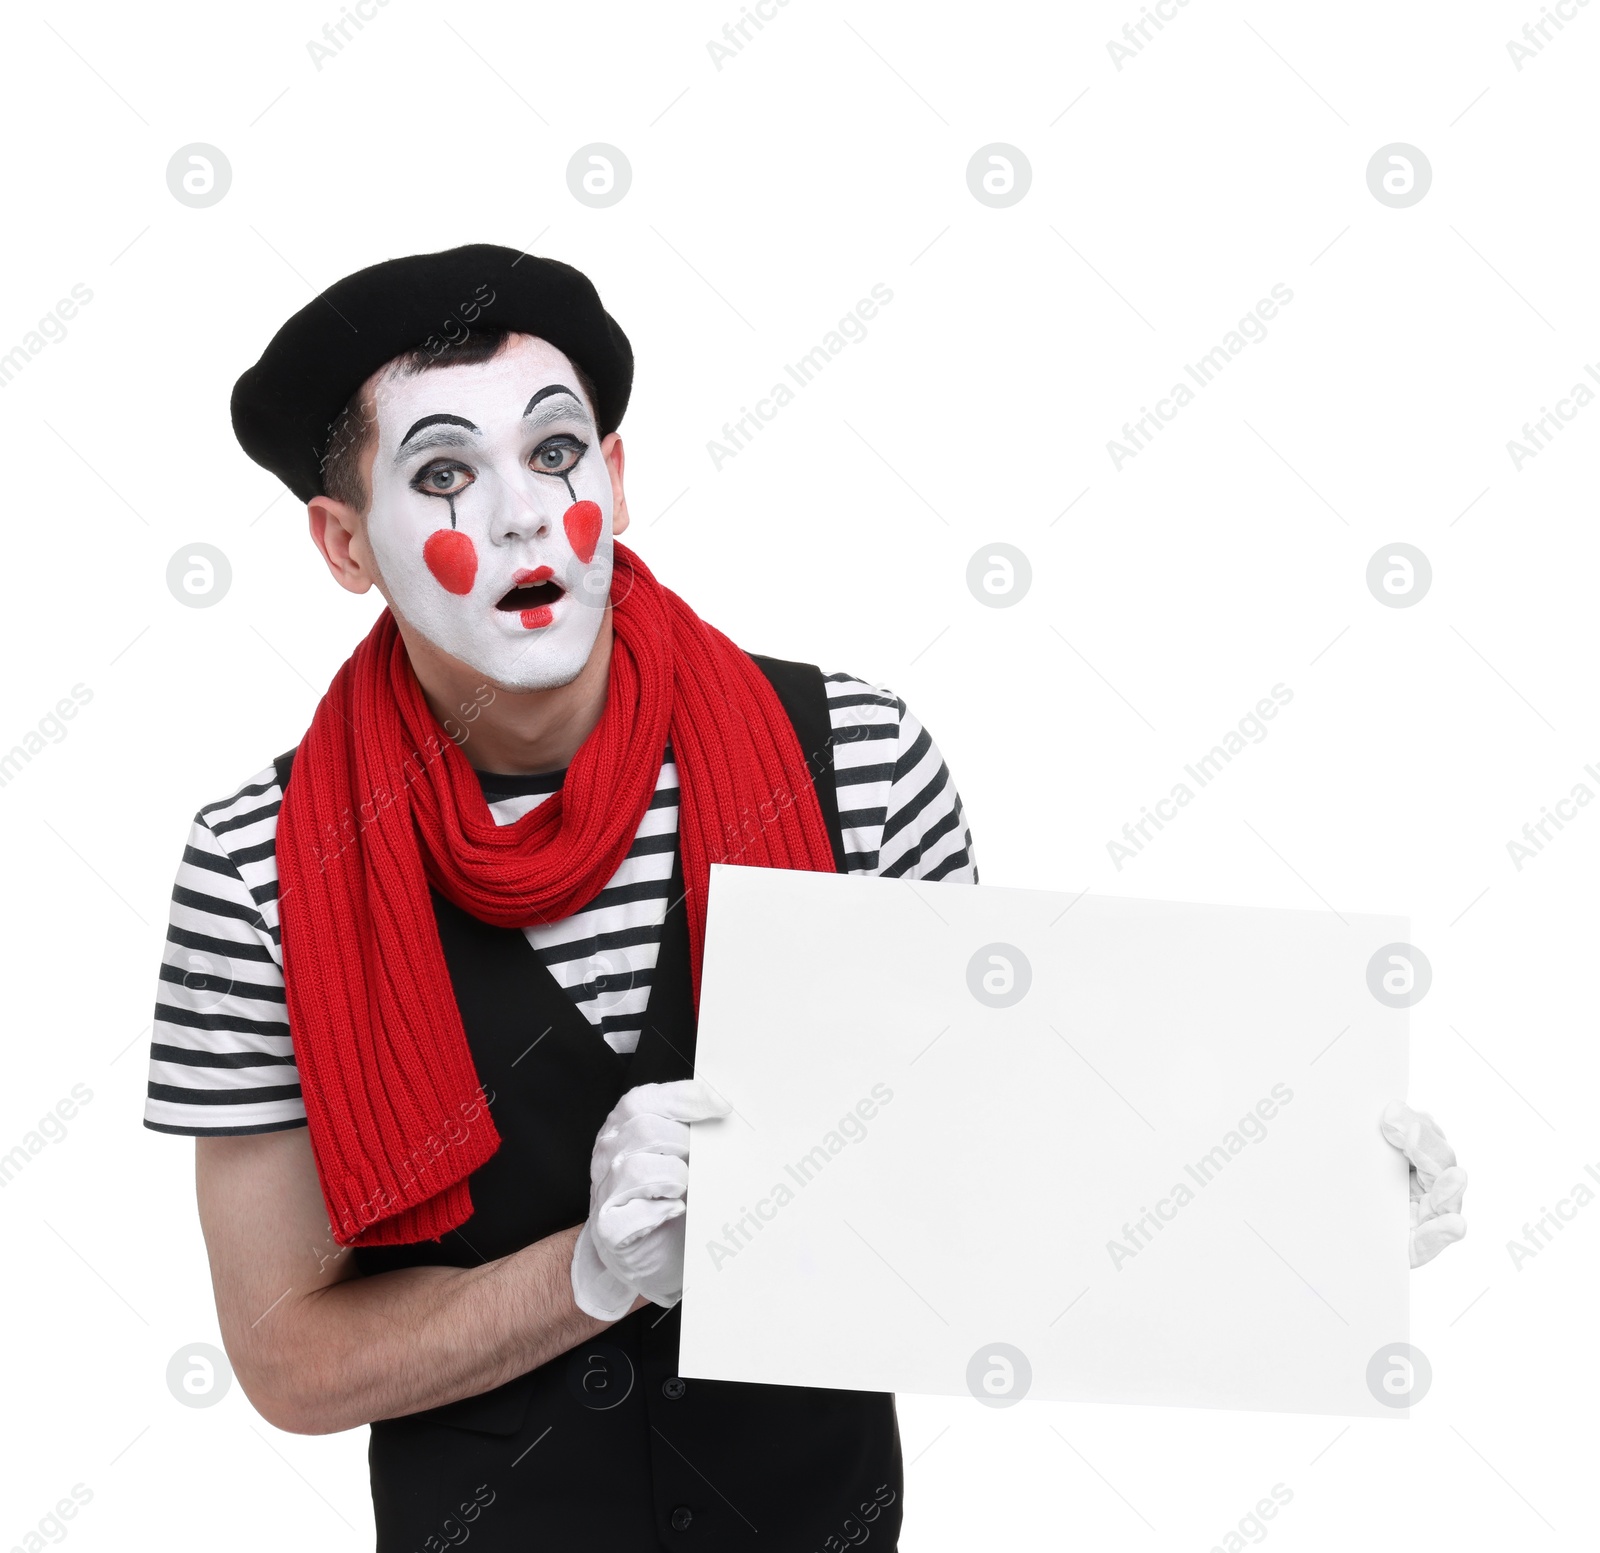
pixel 583 521
pixel 452 559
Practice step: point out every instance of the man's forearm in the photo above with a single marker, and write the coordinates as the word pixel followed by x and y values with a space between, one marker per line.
pixel 398 1342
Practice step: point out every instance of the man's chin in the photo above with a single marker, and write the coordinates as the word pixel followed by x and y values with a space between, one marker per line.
pixel 536 665
pixel 541 677
pixel 522 673
pixel 548 660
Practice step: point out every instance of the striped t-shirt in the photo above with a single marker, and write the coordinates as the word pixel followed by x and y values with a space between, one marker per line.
pixel 221 1057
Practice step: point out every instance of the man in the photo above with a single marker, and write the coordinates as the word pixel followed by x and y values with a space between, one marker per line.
pixel 452 1205
pixel 476 894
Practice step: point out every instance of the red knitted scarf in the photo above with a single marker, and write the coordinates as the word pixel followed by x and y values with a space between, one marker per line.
pixel 383 804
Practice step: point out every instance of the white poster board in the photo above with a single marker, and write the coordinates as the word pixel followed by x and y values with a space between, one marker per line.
pixel 1140 1163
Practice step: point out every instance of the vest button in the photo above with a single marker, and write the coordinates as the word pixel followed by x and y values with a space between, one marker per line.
pixel 682 1518
pixel 674 1388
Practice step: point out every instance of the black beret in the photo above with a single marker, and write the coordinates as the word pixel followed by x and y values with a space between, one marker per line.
pixel 284 407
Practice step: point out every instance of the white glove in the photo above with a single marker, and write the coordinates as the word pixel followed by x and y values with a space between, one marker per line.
pixel 638 1180
pixel 1437 1181
pixel 597 1292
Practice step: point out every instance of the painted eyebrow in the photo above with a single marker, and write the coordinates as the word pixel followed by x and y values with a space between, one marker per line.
pixel 545 393
pixel 439 420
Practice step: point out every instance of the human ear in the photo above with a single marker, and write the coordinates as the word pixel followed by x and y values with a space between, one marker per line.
pixel 336 531
pixel 611 451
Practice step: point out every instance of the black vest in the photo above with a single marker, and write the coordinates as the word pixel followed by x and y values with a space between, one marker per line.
pixel 605 1447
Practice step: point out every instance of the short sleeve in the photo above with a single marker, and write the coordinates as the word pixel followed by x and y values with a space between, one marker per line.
pixel 899 808
pixel 221 1060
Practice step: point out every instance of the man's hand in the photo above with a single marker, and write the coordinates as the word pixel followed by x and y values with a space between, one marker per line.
pixel 1437 1181
pixel 638 1182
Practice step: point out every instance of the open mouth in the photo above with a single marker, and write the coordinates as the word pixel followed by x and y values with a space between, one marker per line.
pixel 532 593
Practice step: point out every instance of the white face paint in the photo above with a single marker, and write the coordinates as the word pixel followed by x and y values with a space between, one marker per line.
pixel 491 513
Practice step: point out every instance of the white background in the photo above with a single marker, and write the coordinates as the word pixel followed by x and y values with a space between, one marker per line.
pixel 769 196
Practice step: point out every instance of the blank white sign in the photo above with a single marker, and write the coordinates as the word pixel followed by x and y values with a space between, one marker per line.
pixel 1018 1142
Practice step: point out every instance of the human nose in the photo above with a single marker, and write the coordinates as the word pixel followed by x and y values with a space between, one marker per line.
pixel 519 513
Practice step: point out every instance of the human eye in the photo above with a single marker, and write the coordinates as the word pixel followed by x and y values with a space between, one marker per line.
pixel 442 477
pixel 556 455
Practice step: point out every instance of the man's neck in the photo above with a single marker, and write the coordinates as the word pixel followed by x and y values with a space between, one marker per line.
pixel 512 732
